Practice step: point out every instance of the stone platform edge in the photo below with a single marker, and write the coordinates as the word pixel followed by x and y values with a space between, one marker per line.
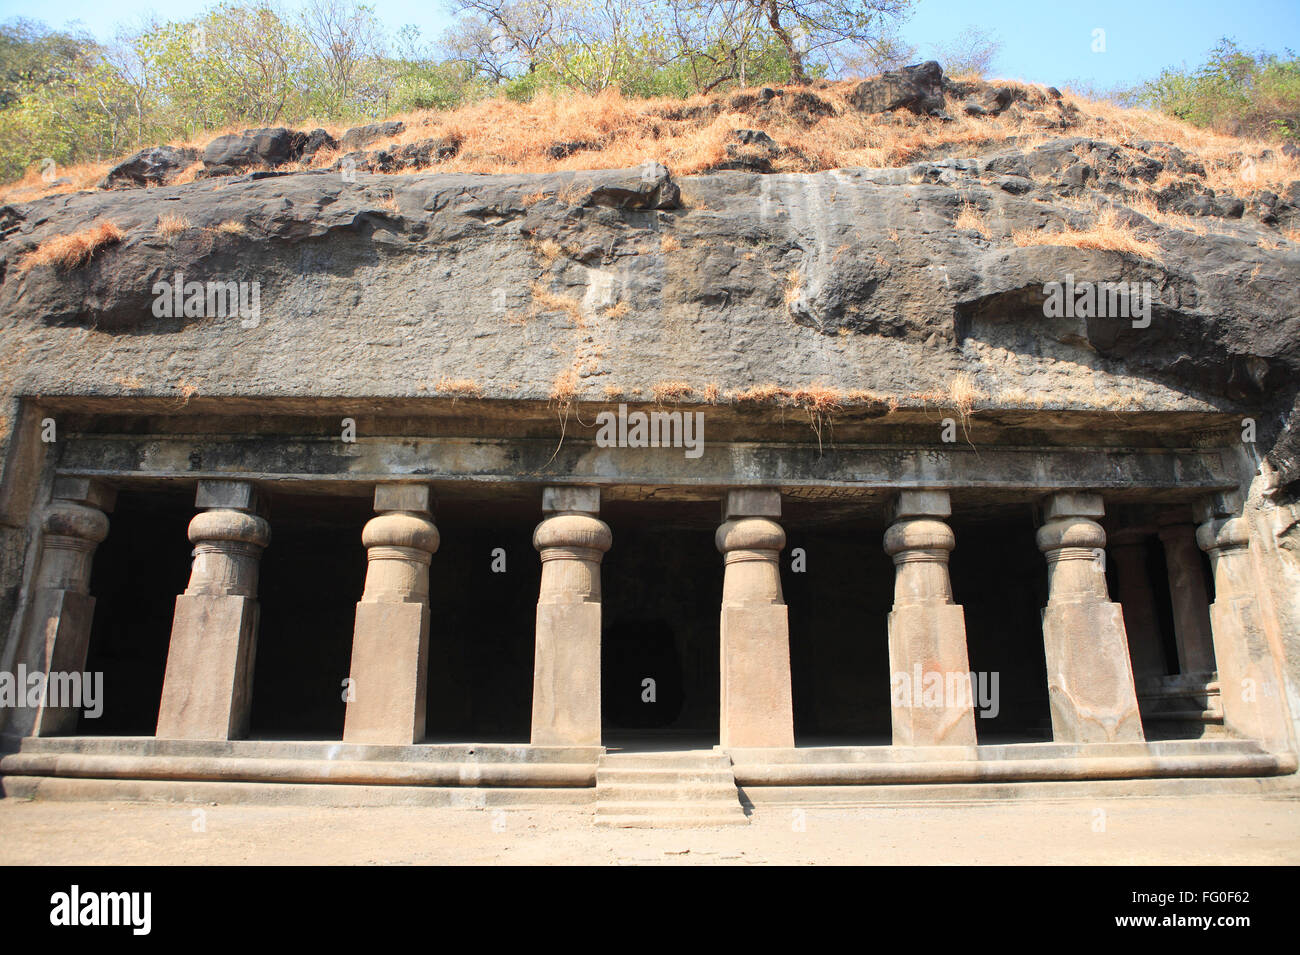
pixel 522 766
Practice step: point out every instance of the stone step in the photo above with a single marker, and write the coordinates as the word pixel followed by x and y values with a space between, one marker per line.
pixel 667 809
pixel 701 821
pixel 667 792
pixel 693 777
pixel 674 761
pixel 674 789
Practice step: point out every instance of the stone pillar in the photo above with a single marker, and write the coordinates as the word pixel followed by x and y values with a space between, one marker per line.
pixel 1128 551
pixel 390 642
pixel 1191 601
pixel 208 686
pixel 1089 677
pixel 756 707
pixel 571 540
pixel 927 631
pixel 1250 686
pixel 73 525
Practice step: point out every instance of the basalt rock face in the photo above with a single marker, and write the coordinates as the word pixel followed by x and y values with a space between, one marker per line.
pixel 149 167
pixel 918 89
pixel 613 282
pixel 253 147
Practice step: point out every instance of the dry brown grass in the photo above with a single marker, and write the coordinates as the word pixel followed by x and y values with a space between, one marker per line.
pixel 963 394
pixel 170 226
pixel 185 390
pixel 548 250
pixel 617 310
pixel 31 186
pixel 669 243
pixel 565 387
pixel 793 286
pixel 68 252
pixel 544 300
pixel 666 391
pixel 459 387
pixel 690 136
pixel 232 227
pixel 970 218
pixel 1146 206
pixel 1107 233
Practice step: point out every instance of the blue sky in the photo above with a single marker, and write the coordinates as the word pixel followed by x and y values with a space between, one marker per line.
pixel 1044 41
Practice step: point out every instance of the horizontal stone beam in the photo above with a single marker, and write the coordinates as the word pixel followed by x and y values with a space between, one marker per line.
pixel 551 462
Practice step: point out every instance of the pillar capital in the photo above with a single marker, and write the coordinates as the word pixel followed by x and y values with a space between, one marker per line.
pixel 408 498
pixel 1222 504
pixel 1222 534
pixel 1073 541
pixel 228 539
pixel 751 502
pixel 87 491
pixel 911 504
pixel 227 495
pixel 571 499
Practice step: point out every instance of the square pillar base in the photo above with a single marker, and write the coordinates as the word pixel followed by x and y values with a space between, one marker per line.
pixel 566 675
pixel 207 691
pixel 1249 687
pixel 756 706
pixel 931 638
pixel 390 656
pixel 1089 678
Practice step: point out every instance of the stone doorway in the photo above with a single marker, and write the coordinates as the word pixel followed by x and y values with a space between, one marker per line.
pixel 662 585
pixel 138 571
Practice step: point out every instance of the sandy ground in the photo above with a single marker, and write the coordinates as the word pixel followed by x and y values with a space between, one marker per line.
pixel 1187 830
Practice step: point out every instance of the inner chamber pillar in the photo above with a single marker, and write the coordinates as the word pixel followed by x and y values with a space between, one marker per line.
pixel 932 702
pixel 72 526
pixel 1089 676
pixel 208 685
pixel 1128 551
pixel 756 704
pixel 1250 686
pixel 388 678
pixel 1191 601
pixel 571 541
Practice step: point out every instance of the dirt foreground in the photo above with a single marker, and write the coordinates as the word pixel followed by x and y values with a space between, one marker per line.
pixel 1185 830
